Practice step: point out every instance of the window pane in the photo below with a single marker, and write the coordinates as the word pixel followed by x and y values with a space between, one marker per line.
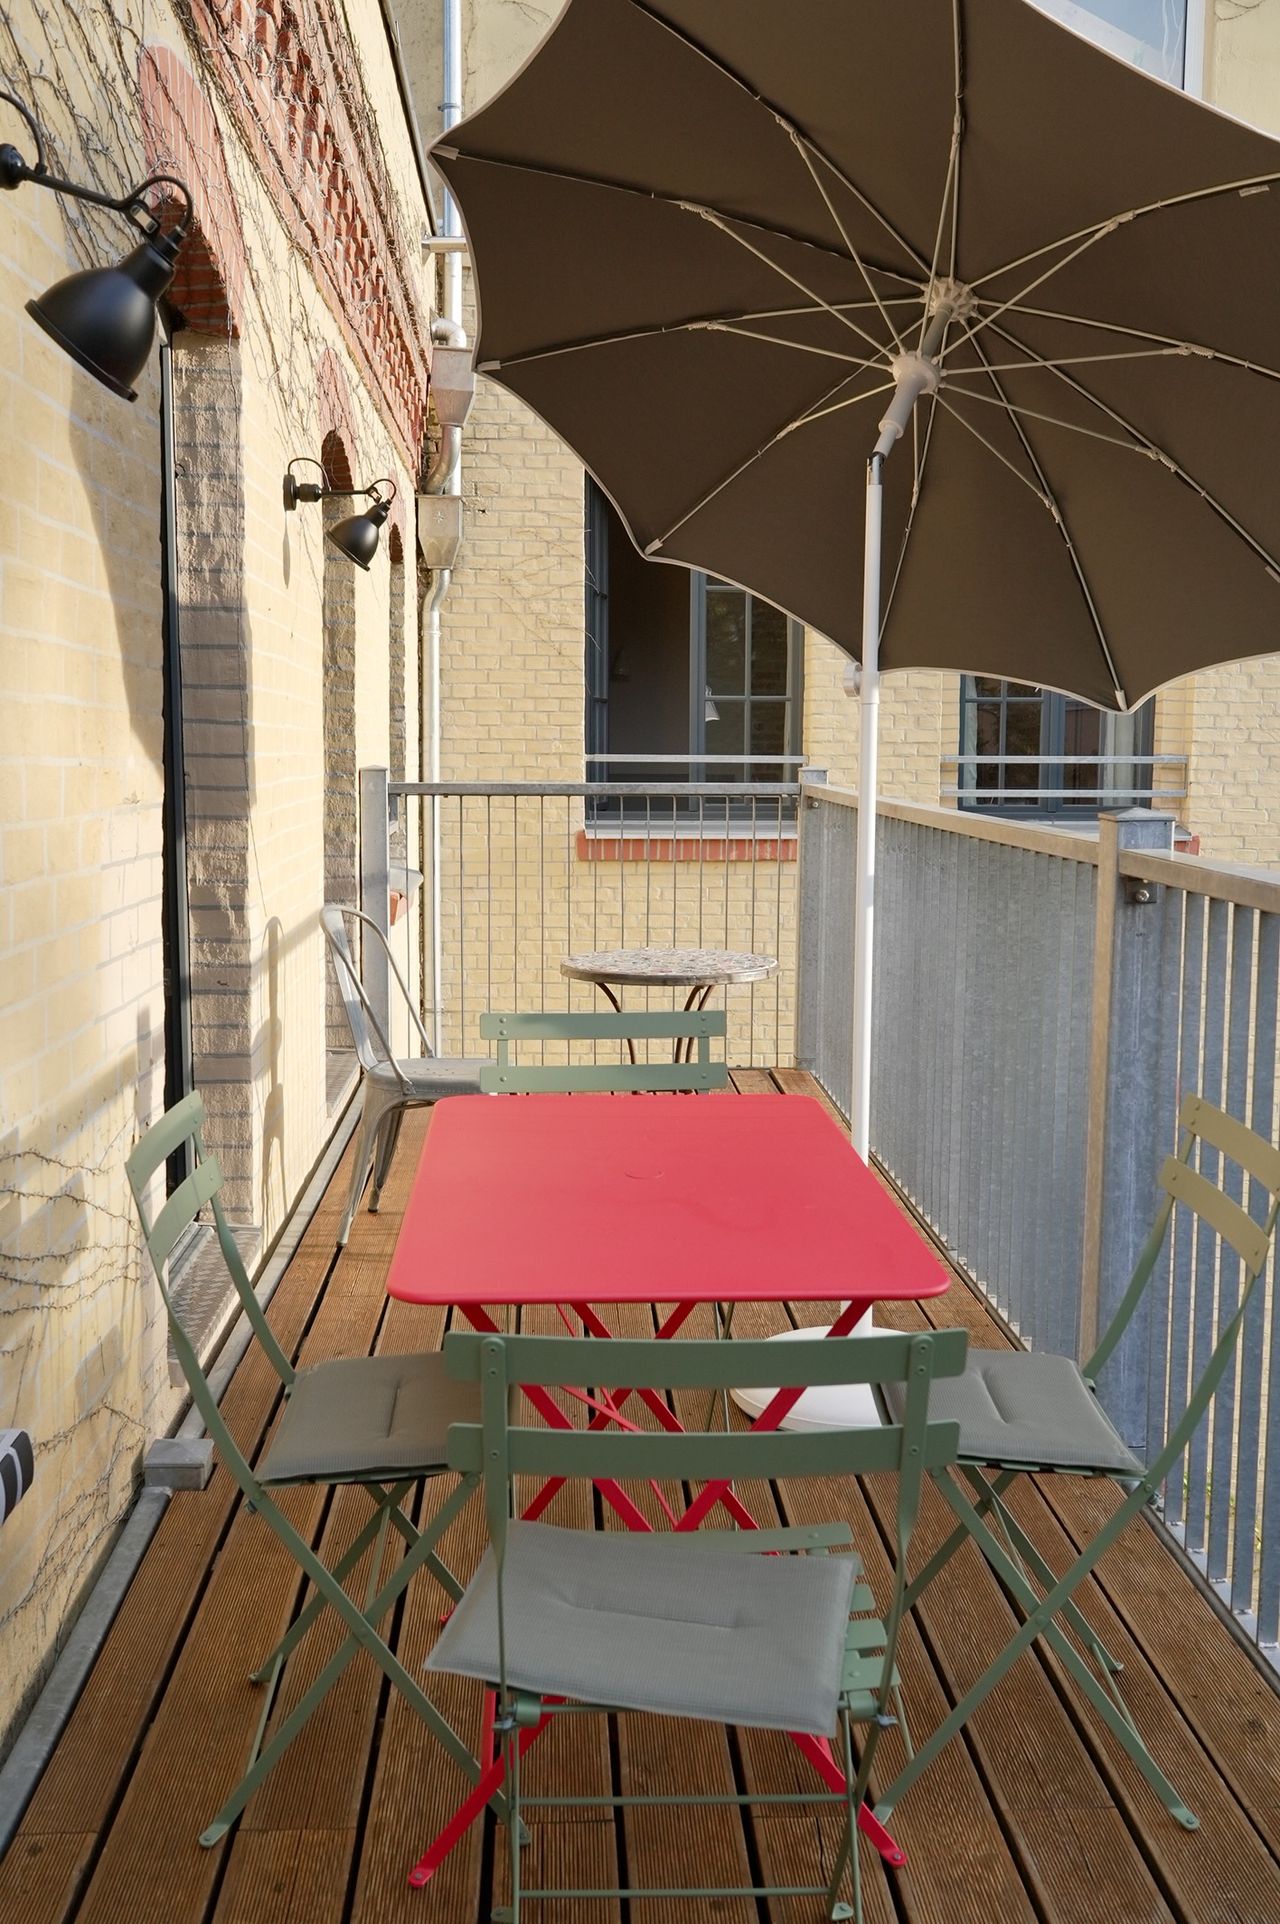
pixel 727 641
pixel 1082 735
pixel 987 731
pixel 987 685
pixel 768 729
pixel 725 736
pixel 768 649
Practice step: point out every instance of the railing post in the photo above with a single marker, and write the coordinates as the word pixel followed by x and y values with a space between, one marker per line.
pixel 1128 1110
pixel 375 886
pixel 809 925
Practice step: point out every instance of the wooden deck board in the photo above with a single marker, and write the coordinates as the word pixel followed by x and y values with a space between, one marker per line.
pixel 1032 1814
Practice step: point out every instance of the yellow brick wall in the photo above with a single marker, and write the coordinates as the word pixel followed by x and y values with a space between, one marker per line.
pixel 81 786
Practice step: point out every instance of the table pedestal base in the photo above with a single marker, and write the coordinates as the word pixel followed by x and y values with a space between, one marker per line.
pixel 833 1406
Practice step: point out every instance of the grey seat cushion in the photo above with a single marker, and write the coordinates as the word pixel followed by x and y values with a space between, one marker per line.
pixel 1026 1409
pixel 650 1623
pixel 368 1416
pixel 431 1077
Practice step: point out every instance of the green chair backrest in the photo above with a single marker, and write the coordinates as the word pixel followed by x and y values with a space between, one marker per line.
pixel 184 1123
pixel 505 1077
pixel 1210 1135
pixel 500 1450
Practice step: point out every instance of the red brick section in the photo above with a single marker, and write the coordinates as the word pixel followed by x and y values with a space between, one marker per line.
pixel 295 96
pixel 337 418
pixel 182 138
pixel 337 421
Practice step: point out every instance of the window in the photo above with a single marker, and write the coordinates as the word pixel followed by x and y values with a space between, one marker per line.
pixel 1150 33
pixel 1028 751
pixel 683 665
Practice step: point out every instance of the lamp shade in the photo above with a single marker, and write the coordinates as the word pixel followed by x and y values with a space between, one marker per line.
pixel 105 317
pixel 357 536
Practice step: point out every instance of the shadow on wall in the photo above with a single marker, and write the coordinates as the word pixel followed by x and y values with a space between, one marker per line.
pixel 83 1354
pixel 270 1050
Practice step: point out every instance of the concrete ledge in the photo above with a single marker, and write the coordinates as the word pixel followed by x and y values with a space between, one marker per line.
pixel 178 1463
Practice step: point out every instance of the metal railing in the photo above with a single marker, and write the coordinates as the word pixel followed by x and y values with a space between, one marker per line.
pixel 1042 1001
pixel 1109 791
pixel 518 875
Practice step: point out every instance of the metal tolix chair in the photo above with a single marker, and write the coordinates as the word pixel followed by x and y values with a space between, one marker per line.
pixel 566 1620
pixel 505 1077
pixel 377 1421
pixel 389 1084
pixel 1027 1412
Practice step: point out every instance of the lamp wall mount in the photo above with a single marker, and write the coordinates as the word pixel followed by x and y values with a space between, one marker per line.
pixel 357 536
pixel 104 317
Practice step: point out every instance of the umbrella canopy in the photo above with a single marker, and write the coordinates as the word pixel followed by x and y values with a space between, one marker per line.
pixel 704 234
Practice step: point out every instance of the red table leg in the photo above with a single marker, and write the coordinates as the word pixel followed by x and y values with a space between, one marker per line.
pixel 816 1749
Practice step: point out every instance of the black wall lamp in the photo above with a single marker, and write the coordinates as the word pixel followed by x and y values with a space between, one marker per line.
pixel 105 317
pixel 357 536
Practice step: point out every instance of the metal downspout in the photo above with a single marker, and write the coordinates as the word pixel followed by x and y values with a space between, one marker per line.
pixel 443 477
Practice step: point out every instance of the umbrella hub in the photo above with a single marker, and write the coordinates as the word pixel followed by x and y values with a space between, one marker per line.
pixel 951 299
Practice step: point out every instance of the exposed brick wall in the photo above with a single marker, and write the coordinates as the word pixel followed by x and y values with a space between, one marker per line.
pixel 182 138
pixel 290 87
pixel 396 729
pixel 337 420
pixel 208 406
pixel 341 822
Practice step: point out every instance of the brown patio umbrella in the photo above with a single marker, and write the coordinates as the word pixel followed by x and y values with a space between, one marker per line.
pixel 734 252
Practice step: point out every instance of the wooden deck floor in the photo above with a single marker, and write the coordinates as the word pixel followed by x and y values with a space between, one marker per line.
pixel 1030 1815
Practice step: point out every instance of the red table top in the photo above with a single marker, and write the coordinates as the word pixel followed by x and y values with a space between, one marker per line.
pixel 667 1198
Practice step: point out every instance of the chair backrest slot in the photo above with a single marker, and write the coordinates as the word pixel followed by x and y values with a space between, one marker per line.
pixel 184 1123
pixel 1248 1238
pixel 683 1027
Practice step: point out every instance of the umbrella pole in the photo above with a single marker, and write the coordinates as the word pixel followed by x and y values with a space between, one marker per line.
pixel 914 374
pixel 865 880
pixel 847 1405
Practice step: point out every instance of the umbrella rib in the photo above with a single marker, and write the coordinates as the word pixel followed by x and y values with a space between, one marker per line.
pixel 854 255
pixel 719 222
pixel 1073 360
pixel 921 460
pixel 711 323
pixel 957 44
pixel 778 340
pixel 1148 447
pixel 721 66
pixel 1055 508
pixel 1040 493
pixel 1088 237
pixel 577 178
pixel 801 420
pixel 1145 334
pixel 1139 445
pixel 951 185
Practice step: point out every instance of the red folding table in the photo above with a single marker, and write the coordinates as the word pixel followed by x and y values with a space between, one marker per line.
pixel 597 1199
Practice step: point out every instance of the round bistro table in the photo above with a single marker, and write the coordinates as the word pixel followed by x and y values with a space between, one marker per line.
pixel 697 970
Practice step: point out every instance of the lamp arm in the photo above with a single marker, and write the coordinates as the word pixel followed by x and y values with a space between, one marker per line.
pixel 384 481
pixel 14 171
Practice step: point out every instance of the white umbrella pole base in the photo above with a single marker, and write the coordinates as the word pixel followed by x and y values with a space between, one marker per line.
pixel 832 1406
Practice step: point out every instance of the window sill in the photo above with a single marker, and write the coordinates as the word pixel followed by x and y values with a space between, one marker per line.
pixel 608 844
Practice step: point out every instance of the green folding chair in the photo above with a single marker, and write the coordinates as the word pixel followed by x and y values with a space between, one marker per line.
pixel 377 1421
pixel 683 1027
pixel 565 1620
pixel 1026 1412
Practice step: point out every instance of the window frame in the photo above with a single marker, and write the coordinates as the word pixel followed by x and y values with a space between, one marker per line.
pixel 1052 766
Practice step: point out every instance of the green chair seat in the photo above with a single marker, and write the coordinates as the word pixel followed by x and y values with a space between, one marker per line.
pixel 1029 1410
pixel 640 1623
pixel 368 1416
